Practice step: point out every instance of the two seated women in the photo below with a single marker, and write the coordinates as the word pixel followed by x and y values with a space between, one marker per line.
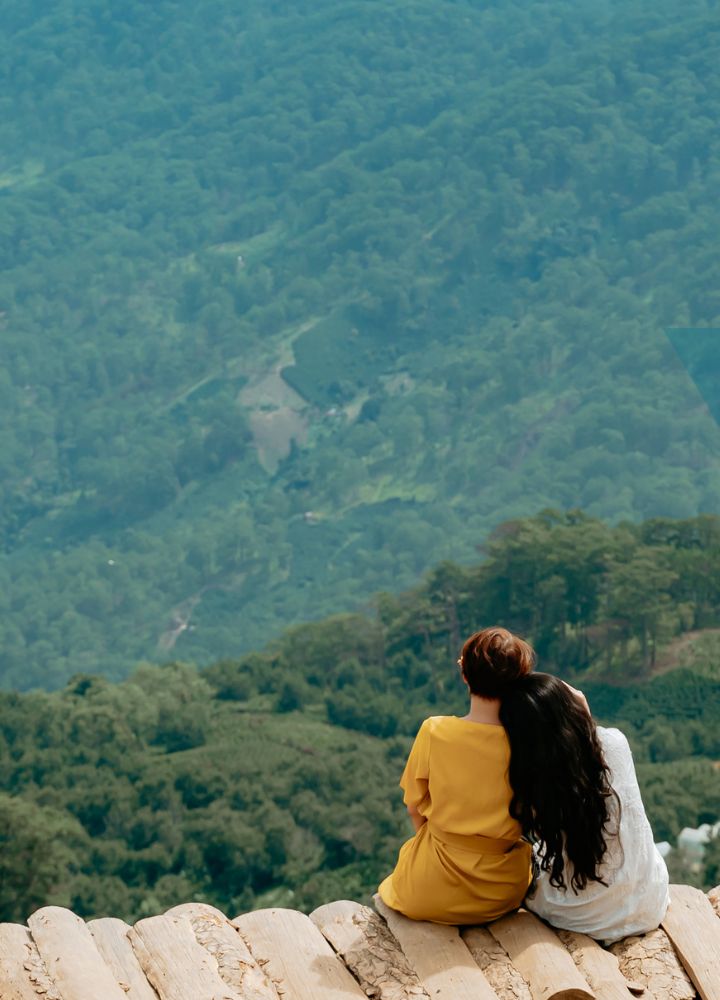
pixel 525 800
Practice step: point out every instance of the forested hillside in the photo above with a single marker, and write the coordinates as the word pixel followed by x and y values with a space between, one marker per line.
pixel 299 299
pixel 272 779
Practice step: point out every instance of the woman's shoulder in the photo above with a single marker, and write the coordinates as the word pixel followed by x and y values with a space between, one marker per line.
pixel 434 722
pixel 438 724
pixel 616 750
pixel 455 727
pixel 612 738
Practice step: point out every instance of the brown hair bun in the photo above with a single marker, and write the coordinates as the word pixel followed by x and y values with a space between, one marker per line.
pixel 493 658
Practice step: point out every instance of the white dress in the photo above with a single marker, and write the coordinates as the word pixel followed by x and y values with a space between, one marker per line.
pixel 636 895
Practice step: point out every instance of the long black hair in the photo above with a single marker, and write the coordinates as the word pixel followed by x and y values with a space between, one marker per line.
pixel 559 778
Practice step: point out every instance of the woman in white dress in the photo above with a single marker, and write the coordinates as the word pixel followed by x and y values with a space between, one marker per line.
pixel 577 799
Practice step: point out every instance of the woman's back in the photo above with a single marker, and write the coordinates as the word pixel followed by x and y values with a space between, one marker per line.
pixel 466 863
pixel 635 894
pixel 465 767
pixel 577 798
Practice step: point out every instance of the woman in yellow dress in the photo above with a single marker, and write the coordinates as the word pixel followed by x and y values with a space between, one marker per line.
pixel 467 863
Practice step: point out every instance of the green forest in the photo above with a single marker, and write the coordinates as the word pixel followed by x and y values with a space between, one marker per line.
pixel 329 333
pixel 271 779
pixel 298 300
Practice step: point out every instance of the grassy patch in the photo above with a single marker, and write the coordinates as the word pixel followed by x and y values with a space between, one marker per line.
pixel 22 175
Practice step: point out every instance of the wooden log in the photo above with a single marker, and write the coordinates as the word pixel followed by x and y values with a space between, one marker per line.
pixel 495 964
pixel 113 943
pixel 21 968
pixel 236 966
pixel 362 939
pixel 600 967
pixel 71 956
pixel 539 955
pixel 694 930
pixel 174 963
pixel 296 956
pixel 650 959
pixel 714 897
pixel 438 957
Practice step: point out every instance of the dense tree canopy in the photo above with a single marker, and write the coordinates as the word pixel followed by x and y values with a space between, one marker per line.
pixel 272 779
pixel 298 300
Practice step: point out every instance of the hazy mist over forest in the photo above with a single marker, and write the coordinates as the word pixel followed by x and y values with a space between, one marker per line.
pixel 300 299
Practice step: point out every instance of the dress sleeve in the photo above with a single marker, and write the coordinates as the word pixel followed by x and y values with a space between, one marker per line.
pixel 618 756
pixel 414 781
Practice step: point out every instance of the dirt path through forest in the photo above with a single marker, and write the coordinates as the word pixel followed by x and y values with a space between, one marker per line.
pixel 677 653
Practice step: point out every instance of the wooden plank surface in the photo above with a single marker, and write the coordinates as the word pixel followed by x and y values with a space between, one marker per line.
pixel 600 967
pixel 71 956
pixel 18 959
pixel 495 963
pixel 538 954
pixel 297 956
pixel 236 966
pixel 175 964
pixel 113 943
pixel 369 950
pixel 439 957
pixel 694 929
pixel 650 960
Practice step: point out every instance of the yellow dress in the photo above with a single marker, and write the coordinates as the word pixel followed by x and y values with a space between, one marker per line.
pixel 466 864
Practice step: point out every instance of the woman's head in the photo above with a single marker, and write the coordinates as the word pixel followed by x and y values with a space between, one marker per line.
pixel 494 658
pixel 559 778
